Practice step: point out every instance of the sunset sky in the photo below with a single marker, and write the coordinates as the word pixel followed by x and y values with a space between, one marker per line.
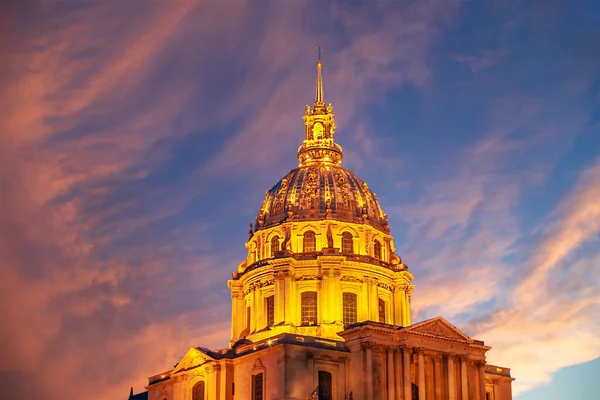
pixel 139 138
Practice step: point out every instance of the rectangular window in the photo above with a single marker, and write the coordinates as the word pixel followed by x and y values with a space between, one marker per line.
pixel 381 311
pixel 270 306
pixel 309 308
pixel 325 392
pixel 257 387
pixel 349 304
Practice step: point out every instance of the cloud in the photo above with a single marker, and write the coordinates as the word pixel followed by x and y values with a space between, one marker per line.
pixel 556 307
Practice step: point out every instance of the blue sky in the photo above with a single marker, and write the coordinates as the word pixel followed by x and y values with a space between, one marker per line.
pixel 139 138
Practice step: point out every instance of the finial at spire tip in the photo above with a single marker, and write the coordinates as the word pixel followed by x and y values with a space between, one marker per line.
pixel 319 90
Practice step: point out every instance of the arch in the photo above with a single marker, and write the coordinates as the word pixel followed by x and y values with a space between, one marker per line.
pixel 347 243
pixel 274 245
pixel 377 249
pixel 309 242
pixel 198 391
pixel 308 227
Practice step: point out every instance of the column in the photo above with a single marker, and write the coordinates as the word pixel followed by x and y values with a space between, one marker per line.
pixel 397 306
pixel 288 293
pixel 422 388
pixel 390 373
pixel 407 319
pixel 399 374
pixel 259 310
pixel 464 383
pixel 337 296
pixel 310 376
pixel 451 381
pixel 406 367
pixel 253 310
pixel 438 378
pixel 369 369
pixel 237 312
pixel 279 288
pixel 481 370
pixel 218 388
pixel 342 378
pixel 325 301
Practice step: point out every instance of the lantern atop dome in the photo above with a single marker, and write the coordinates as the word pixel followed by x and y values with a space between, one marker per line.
pixel 319 145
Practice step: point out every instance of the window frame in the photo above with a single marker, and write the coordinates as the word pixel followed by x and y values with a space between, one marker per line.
pixel 377 249
pixel 347 309
pixel 381 308
pixel 270 310
pixel 274 239
pixel 196 385
pixel 315 319
pixel 254 386
pixel 347 240
pixel 309 237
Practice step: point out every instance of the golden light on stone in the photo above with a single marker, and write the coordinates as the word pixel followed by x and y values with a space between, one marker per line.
pixel 321 296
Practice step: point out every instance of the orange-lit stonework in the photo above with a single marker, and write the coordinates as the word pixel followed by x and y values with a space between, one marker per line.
pixel 321 304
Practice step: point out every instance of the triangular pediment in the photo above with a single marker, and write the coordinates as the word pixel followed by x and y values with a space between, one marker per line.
pixel 193 358
pixel 438 327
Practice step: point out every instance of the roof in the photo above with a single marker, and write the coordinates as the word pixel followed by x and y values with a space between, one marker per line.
pixel 318 191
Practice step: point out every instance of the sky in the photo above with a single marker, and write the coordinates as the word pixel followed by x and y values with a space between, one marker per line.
pixel 138 139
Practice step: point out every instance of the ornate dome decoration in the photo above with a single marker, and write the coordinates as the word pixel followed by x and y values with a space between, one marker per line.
pixel 321 191
pixel 320 188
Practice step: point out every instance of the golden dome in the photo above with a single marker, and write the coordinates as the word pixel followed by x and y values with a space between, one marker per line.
pixel 321 191
pixel 320 188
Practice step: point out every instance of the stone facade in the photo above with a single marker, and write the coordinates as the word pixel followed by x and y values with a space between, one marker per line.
pixel 321 304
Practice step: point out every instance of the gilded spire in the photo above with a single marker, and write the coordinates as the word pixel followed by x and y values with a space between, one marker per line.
pixel 319 90
pixel 319 145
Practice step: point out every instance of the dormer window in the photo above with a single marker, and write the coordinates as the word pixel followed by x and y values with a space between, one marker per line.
pixel 274 245
pixel 377 249
pixel 309 242
pixel 347 245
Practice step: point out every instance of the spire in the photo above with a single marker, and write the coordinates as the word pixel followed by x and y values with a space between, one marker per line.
pixel 319 90
pixel 319 144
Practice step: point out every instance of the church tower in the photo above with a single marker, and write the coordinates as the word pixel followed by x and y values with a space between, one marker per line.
pixel 320 307
pixel 320 256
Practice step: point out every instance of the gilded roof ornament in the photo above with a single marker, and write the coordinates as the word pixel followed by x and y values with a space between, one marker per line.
pixel 319 145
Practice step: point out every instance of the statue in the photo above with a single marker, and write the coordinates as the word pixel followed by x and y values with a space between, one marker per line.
pixel 307 110
pixel 286 241
pixel 315 394
pixel 250 233
pixel 329 108
pixel 329 237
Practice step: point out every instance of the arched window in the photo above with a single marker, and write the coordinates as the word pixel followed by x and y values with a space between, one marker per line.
pixel 270 306
pixel 309 242
pixel 347 245
pixel 381 311
pixel 377 249
pixel 198 391
pixel 257 386
pixel 349 301
pixel 308 302
pixel 274 245
pixel 325 390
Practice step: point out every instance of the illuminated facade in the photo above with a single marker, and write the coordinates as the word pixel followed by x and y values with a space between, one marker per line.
pixel 321 304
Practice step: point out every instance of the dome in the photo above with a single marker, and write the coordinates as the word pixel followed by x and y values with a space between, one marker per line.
pixel 320 188
pixel 321 191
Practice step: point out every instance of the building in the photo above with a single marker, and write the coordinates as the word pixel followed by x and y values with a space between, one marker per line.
pixel 321 304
